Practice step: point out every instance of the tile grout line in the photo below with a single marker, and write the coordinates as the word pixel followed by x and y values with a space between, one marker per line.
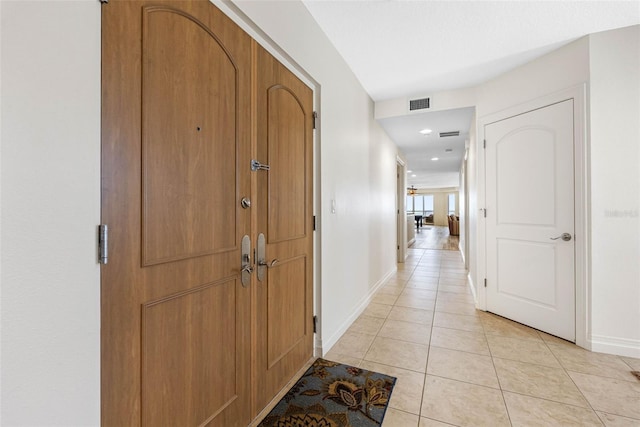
pixel 566 371
pixel 424 378
pixel 426 367
pixel 504 401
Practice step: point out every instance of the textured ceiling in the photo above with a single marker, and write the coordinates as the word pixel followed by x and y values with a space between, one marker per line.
pixel 405 48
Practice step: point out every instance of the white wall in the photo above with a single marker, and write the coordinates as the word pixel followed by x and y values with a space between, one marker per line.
pixel 556 71
pixel 50 204
pixel 382 203
pixel 615 190
pixel 358 168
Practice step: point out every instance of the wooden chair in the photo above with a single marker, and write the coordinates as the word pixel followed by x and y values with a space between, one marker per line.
pixel 454 225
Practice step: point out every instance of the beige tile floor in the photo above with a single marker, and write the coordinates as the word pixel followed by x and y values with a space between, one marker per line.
pixel 459 366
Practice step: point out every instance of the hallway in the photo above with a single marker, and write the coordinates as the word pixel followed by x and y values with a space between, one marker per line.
pixel 435 237
pixel 459 366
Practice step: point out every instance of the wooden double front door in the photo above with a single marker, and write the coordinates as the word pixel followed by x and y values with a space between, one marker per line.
pixel 188 101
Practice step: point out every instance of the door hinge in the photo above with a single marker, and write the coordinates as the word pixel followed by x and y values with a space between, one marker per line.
pixel 485 283
pixel 314 223
pixel 484 143
pixel 484 212
pixel 103 244
pixel 315 118
pixel 398 247
pixel 315 324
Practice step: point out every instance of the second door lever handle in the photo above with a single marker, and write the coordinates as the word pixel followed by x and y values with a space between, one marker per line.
pixel 264 263
pixel 245 261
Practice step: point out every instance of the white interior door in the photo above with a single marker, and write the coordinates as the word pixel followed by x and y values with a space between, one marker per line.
pixel 530 205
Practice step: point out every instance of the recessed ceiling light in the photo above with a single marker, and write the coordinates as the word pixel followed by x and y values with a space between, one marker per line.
pixel 434 159
pixel 448 150
pixel 413 176
pixel 409 171
pixel 426 131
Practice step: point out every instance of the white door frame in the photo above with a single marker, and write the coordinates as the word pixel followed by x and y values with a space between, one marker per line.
pixel 581 199
pixel 401 209
pixel 465 162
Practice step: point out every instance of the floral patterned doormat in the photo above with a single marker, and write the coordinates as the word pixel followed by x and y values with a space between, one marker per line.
pixel 331 394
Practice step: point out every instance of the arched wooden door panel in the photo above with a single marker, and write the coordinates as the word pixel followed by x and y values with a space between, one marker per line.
pixel 176 141
pixel 284 298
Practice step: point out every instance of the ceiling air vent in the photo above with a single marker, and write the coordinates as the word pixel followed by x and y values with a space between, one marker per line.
pixel 418 104
pixel 445 134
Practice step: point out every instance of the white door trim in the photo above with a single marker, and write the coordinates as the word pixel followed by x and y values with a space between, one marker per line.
pixel 401 217
pixel 582 237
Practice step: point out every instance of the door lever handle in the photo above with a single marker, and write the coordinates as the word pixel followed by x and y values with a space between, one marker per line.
pixel 245 261
pixel 263 263
pixel 564 236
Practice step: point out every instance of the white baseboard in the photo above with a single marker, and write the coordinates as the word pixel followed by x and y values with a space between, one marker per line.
pixel 614 345
pixel 411 242
pixel 317 349
pixel 324 345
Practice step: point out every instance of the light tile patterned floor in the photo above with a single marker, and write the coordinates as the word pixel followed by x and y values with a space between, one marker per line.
pixel 458 366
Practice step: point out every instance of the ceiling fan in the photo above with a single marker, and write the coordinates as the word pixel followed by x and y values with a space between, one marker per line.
pixel 411 190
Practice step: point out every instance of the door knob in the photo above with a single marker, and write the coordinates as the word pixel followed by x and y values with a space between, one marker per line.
pixel 564 236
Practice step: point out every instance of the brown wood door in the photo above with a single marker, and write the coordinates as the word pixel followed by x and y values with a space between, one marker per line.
pixel 176 144
pixel 284 311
